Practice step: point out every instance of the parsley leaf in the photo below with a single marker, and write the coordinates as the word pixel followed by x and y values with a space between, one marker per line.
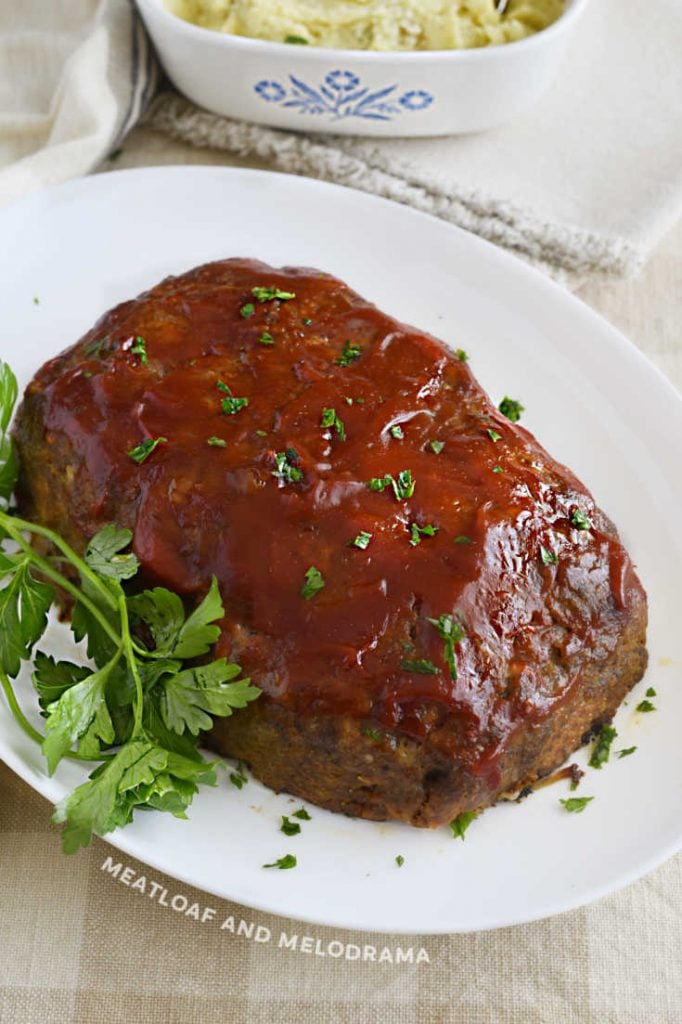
pixel 650 692
pixel 602 747
pixel 397 432
pixel 8 460
pixel 463 539
pixel 403 485
pixel 198 633
pixel 231 405
pixel 417 532
pixel 302 814
pixel 266 338
pixel 104 554
pixel 287 471
pixel 24 604
pixel 436 446
pixel 645 706
pixel 461 355
pixel 626 752
pixel 247 310
pixel 349 354
pixel 493 434
pixel 421 665
pixel 53 678
pixel 288 827
pixel 362 540
pixel 314 583
pixel 238 778
pixel 267 294
pixel 400 860
pixel 296 40
pixel 288 861
pixel 461 823
pixel 510 408
pixel 74 712
pixel 372 734
pixel 143 450
pixel 548 557
pixel 331 419
pixel 139 348
pixel 576 804
pixel 451 632
pixel 580 520
pixel 216 442
pixel 188 699
pixel 141 773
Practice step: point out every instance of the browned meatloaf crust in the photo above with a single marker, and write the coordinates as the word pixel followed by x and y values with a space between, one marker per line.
pixel 435 610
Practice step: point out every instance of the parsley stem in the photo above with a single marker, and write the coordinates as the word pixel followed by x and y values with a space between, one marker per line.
pixel 62 581
pixel 127 648
pixel 36 736
pixel 12 524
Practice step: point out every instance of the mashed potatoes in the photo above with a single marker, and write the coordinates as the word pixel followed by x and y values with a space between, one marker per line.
pixel 374 24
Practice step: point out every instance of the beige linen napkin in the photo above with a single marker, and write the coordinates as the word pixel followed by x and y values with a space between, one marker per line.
pixel 586 183
pixel 75 76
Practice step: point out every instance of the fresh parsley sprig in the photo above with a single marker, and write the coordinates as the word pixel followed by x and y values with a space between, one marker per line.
pixel 139 706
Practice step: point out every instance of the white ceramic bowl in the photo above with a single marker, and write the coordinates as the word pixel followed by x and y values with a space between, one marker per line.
pixel 356 92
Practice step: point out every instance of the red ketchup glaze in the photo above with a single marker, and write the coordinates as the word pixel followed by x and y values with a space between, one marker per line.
pixel 199 510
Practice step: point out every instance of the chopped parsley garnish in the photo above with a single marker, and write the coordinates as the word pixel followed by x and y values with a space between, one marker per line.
pixel 420 665
pixel 512 409
pixel 548 557
pixel 493 434
pixel 306 321
pixel 349 355
pixel 645 706
pixel 302 814
pixel 238 778
pixel 288 861
pixel 247 310
pixel 144 449
pixel 140 349
pixel 287 471
pixel 373 734
pixel 626 752
pixel 580 520
pixel 497 469
pixel 216 442
pixel 296 40
pixel 576 804
pixel 261 433
pixel 400 860
pixel 362 540
pixel 314 583
pixel 461 355
pixel 436 446
pixel 95 347
pixel 36 300
pixel 602 748
pixel 403 486
pixel 451 632
pixel 651 692
pixel 267 294
pixel 461 823
pixel 266 339
pixel 330 419
pixel 290 828
pixel 417 532
pixel 463 539
pixel 231 405
pixel 397 432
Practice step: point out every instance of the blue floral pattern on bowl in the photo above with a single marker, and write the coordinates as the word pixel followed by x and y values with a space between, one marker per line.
pixel 341 95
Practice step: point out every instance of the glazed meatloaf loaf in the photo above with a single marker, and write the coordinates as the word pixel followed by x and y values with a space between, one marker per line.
pixel 435 610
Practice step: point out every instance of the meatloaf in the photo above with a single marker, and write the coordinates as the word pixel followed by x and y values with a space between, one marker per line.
pixel 435 610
